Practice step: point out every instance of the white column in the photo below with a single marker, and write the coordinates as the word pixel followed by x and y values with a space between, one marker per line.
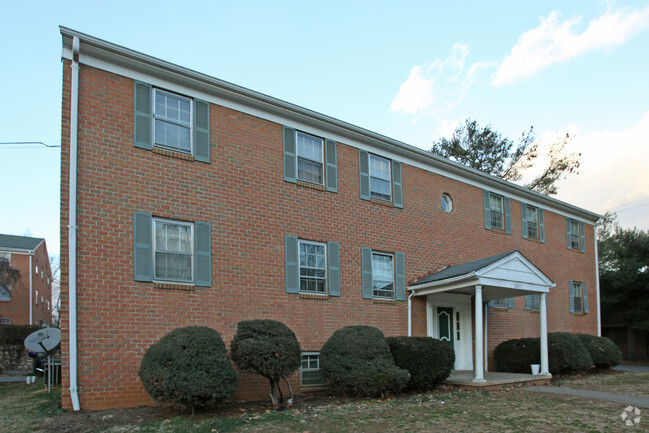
pixel 545 365
pixel 479 351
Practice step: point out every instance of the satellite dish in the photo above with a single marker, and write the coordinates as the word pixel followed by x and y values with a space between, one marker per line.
pixel 44 340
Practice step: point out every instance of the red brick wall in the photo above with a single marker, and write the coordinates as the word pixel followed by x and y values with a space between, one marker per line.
pixel 243 195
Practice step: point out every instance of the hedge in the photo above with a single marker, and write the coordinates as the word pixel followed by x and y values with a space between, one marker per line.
pixel 603 352
pixel 428 360
pixel 16 334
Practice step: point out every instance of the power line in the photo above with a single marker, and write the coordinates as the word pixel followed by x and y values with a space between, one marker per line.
pixel 22 144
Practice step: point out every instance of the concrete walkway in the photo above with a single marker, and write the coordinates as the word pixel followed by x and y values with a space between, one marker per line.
pixel 13 376
pixel 634 368
pixel 598 395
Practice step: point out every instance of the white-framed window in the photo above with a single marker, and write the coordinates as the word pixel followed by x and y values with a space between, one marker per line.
pixel 172 121
pixel 380 178
pixel 173 251
pixel 532 219
pixel 5 293
pixel 496 208
pixel 5 321
pixel 383 275
pixel 533 302
pixel 446 202
pixel 310 158
pixel 578 299
pixel 36 297
pixel 310 374
pixel 313 266
pixel 574 234
pixel 36 267
pixel 499 303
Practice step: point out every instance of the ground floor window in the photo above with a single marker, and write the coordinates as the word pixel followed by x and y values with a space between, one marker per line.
pixel 310 374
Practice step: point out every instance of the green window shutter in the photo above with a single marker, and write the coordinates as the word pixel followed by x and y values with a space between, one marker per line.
pixel 400 267
pixel 364 170
pixel 568 232
pixel 201 131
pixel 143 247
pixel 524 220
pixel 510 303
pixel 203 245
pixel 571 292
pixel 366 264
pixel 508 216
pixel 290 155
pixel 541 226
pixel 143 119
pixel 292 264
pixel 585 292
pixel 487 210
pixel 333 259
pixel 397 189
pixel 528 302
pixel 332 165
pixel 582 235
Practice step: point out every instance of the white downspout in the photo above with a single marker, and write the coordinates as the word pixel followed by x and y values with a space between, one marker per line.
pixel 412 292
pixel 72 227
pixel 31 290
pixel 599 312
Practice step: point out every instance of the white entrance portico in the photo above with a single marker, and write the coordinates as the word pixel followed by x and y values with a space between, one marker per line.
pixel 451 292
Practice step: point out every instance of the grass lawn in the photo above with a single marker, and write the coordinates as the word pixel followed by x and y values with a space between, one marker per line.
pixel 27 408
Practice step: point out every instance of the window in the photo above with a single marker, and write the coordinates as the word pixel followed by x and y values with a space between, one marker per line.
pixel 533 302
pixel 310 157
pixel 446 203
pixel 36 297
pixel 313 267
pixel 578 297
pixel 36 267
pixel 310 374
pixel 532 225
pixel 383 275
pixel 497 214
pixel 499 303
pixel 5 321
pixel 575 235
pixel 532 222
pixel 5 293
pixel 380 179
pixel 173 251
pixel 172 122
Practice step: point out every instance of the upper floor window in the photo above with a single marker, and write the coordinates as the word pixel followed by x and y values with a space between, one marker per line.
pixel 171 251
pixel 171 122
pixel 532 222
pixel 36 297
pixel 312 267
pixel 446 203
pixel 497 213
pixel 383 275
pixel 310 158
pixel 5 293
pixel 575 235
pixel 380 179
pixel 578 297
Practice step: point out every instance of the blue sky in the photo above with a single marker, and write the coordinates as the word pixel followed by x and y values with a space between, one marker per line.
pixel 410 70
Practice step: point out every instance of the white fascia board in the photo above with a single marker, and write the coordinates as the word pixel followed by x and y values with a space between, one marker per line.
pixel 17 250
pixel 460 281
pixel 132 64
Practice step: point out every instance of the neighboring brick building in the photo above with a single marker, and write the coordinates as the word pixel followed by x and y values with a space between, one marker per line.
pixel 199 202
pixel 29 301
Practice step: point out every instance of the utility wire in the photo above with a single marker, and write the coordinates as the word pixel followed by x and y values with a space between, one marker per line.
pixel 22 143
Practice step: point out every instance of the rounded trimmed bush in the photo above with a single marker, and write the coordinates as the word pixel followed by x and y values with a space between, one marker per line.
pixel 603 352
pixel 576 355
pixel 188 367
pixel 516 356
pixel 356 360
pixel 428 360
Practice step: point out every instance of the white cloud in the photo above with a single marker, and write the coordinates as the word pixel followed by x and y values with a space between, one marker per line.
pixel 613 172
pixel 556 41
pixel 439 86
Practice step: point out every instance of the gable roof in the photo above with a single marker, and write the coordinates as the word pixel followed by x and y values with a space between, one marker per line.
pixel 19 243
pixel 462 269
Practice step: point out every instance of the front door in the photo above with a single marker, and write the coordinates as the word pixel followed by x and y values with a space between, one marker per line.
pixel 445 324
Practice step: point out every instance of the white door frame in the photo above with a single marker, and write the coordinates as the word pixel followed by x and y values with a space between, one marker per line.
pixel 461 304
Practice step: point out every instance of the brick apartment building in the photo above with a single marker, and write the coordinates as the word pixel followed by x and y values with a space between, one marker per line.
pixel 194 201
pixel 28 301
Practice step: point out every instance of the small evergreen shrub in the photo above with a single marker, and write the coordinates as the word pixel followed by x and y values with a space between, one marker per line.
pixel 356 360
pixel 428 360
pixel 577 356
pixel 603 352
pixel 516 356
pixel 188 367
pixel 268 348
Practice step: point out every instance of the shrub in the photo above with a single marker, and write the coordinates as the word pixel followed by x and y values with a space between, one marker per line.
pixel 603 351
pixel 565 354
pixel 16 334
pixel 356 360
pixel 268 348
pixel 428 360
pixel 188 367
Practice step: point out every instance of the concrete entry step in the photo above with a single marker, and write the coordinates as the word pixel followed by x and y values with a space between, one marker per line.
pixel 464 379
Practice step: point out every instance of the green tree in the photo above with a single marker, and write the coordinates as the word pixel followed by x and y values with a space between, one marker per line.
pixel 8 275
pixel 485 149
pixel 624 276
